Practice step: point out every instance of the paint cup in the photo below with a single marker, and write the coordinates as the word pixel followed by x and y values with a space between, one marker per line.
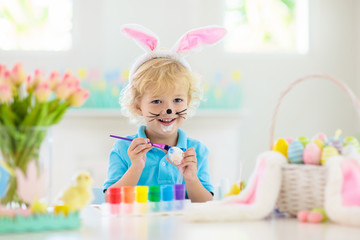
pixel 179 197
pixel 167 196
pixel 154 198
pixel 141 197
pixel 114 196
pixel 128 199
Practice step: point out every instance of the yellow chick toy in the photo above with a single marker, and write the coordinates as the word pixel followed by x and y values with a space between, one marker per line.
pixel 38 207
pixel 236 189
pixel 78 196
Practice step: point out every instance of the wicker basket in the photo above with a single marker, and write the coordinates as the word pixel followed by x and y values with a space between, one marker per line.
pixel 303 186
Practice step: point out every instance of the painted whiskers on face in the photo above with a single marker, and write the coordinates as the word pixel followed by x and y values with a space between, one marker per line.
pixel 181 114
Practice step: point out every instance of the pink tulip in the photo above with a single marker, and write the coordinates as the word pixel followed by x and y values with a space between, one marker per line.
pixel 53 79
pixel 4 76
pixel 63 90
pixel 5 93
pixel 68 78
pixel 17 74
pixel 78 98
pixel 42 92
pixel 33 82
pixel 67 86
pixel 2 70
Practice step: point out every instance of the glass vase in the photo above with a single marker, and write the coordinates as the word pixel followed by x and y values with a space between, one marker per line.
pixel 20 148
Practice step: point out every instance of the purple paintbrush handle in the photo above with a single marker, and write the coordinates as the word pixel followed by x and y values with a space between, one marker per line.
pixel 162 146
pixel 128 139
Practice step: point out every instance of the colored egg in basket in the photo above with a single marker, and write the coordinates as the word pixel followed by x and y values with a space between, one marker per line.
pixel 312 154
pixel 281 146
pixel 336 141
pixel 304 140
pixel 328 152
pixel 350 151
pixel 321 136
pixel 352 141
pixel 295 152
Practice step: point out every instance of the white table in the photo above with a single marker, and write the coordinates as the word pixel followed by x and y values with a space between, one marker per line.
pixel 174 227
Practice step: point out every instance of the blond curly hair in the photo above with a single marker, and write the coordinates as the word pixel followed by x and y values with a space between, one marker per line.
pixel 162 75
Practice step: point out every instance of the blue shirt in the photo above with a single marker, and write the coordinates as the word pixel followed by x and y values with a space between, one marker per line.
pixel 157 170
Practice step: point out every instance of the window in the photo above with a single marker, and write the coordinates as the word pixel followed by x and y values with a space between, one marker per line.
pixel 267 26
pixel 35 25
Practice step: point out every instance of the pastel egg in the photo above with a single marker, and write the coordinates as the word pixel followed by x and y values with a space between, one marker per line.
pixel 336 143
pixel 312 154
pixel 281 146
pixel 352 141
pixel 319 142
pixel 350 151
pixel 176 155
pixel 321 136
pixel 328 152
pixel 304 140
pixel 295 152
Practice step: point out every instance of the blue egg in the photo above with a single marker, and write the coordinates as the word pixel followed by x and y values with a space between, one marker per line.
pixel 295 152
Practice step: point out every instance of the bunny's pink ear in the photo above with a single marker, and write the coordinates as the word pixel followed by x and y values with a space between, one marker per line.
pixel 194 40
pixel 145 38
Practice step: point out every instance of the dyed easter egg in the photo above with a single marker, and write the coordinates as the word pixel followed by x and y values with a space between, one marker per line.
pixel 175 155
pixel 281 146
pixel 303 140
pixel 312 154
pixel 336 143
pixel 352 141
pixel 328 152
pixel 295 152
pixel 319 142
pixel 350 151
pixel 321 136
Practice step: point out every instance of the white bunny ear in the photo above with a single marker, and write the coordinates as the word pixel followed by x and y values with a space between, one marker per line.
pixel 145 38
pixel 194 40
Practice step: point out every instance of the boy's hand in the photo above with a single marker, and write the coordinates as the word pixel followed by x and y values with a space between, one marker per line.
pixel 188 165
pixel 137 152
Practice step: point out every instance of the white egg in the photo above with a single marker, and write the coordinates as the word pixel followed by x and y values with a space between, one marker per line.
pixel 175 155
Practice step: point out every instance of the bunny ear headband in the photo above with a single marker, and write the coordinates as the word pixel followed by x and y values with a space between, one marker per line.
pixel 191 41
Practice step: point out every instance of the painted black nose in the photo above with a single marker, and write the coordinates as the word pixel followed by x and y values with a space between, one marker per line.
pixel 168 111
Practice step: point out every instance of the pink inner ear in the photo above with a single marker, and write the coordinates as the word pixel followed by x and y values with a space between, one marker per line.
pixel 144 38
pixel 259 175
pixel 200 37
pixel 350 190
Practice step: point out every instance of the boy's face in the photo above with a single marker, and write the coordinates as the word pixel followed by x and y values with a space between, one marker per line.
pixel 164 113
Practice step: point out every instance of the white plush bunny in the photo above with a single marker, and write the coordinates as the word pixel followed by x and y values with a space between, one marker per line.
pixel 191 41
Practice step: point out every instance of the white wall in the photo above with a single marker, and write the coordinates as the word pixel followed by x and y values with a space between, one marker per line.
pixel 81 140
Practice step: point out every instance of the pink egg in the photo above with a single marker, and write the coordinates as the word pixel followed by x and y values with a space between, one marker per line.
pixel 315 217
pixel 321 136
pixel 302 215
pixel 312 154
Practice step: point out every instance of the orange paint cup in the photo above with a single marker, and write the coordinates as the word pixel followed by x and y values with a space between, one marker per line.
pixel 128 194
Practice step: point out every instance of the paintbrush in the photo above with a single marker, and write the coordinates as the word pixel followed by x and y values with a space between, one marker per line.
pixel 162 146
